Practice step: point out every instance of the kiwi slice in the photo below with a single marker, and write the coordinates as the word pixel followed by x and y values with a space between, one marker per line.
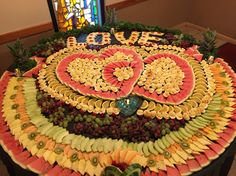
pixel 222 74
pixel 17 116
pixel 167 154
pixel 151 163
pixel 25 125
pixel 225 103
pixel 32 136
pixel 94 161
pixel 184 145
pixel 221 112
pixel 16 87
pixel 14 106
pixel 74 157
pixel 41 144
pixel 227 92
pixel 199 134
pixel 212 124
pixel 13 96
pixel 58 150
pixel 225 83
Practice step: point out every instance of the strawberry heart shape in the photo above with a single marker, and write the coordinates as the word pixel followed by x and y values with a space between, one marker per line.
pixel 109 75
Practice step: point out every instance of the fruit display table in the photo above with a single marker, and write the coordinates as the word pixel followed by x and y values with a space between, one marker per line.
pixel 142 101
pixel 219 167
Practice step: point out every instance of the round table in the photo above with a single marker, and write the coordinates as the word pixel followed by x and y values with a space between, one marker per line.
pixel 218 167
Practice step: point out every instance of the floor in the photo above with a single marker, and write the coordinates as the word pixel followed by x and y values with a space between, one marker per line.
pixel 232 171
pixel 223 52
pixel 3 170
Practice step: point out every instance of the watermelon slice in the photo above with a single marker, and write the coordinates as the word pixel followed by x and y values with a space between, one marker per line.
pixel 210 154
pixel 54 171
pixel 198 56
pixel 30 159
pixel 222 142
pixel 146 173
pixel 227 137
pixel 16 148
pixel 154 174
pixel 22 158
pixel 66 172
pixel 217 148
pixel 3 128
pixel 193 165
pixel 183 169
pixel 39 166
pixel 232 125
pixel 172 171
pixel 162 173
pixel 230 131
pixel 234 115
pixel 75 174
pixel 202 159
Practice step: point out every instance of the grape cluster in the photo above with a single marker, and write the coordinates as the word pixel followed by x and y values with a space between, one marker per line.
pixel 133 129
pixel 48 48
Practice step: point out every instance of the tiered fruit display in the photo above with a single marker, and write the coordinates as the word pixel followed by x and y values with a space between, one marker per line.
pixel 120 110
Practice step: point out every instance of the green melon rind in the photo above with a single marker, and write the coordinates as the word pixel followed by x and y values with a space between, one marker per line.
pixel 134 169
pixel 112 170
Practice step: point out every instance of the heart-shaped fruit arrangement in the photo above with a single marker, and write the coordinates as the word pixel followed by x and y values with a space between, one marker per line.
pixel 120 110
pixel 167 79
pixel 109 75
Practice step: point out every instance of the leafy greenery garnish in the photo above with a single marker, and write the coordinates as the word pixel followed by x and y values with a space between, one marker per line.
pixel 22 57
pixel 207 46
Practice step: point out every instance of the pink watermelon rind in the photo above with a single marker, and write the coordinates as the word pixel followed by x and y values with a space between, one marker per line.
pixel 63 77
pixel 154 96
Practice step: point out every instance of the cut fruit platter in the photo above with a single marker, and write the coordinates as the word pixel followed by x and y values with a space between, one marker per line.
pixel 119 104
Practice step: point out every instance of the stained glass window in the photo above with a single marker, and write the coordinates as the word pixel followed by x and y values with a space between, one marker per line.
pixel 74 14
